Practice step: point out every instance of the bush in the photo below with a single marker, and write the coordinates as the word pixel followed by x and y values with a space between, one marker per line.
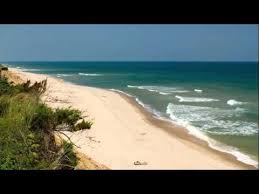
pixel 16 140
pixel 4 68
pixel 5 87
pixel 37 88
pixel 26 139
pixel 84 125
pixel 43 118
pixel 68 160
pixel 26 129
pixel 67 115
pixel 4 104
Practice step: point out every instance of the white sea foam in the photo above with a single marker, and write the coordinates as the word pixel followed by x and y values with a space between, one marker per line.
pixel 156 113
pixel 233 102
pixel 138 87
pixel 89 74
pixel 130 86
pixel 140 102
pixel 164 93
pixel 63 75
pixel 240 109
pixel 20 68
pixel 197 90
pixel 186 115
pixel 115 90
pixel 208 119
pixel 163 90
pixel 179 91
pixel 29 70
pixel 146 106
pixel 195 99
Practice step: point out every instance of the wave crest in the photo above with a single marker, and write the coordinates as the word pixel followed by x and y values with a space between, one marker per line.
pixel 63 75
pixel 212 120
pixel 89 74
pixel 163 90
pixel 198 90
pixel 209 119
pixel 195 99
pixel 164 93
pixel 233 102
pixel 115 90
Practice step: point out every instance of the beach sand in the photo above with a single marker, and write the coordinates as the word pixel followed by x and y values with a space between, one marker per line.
pixel 125 136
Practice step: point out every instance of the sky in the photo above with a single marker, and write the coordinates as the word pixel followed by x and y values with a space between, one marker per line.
pixel 128 42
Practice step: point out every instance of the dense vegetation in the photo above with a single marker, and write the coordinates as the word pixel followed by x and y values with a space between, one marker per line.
pixel 27 129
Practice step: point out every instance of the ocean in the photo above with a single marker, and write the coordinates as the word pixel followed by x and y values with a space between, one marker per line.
pixel 215 101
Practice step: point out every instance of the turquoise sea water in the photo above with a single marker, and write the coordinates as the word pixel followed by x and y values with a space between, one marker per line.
pixel 216 101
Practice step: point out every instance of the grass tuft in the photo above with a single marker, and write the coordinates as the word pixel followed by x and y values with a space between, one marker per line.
pixel 27 129
pixel 84 125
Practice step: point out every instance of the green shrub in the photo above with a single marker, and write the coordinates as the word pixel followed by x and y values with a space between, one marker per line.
pixel 68 160
pixel 4 104
pixel 84 125
pixel 25 141
pixel 36 88
pixel 15 139
pixel 5 87
pixel 43 118
pixel 4 68
pixel 68 116
pixel 26 129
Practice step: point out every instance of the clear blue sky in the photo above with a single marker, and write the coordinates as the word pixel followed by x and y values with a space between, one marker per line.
pixel 129 42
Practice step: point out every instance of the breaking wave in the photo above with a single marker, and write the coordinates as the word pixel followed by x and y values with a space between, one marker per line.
pixel 89 74
pixel 115 90
pixel 63 75
pixel 156 113
pixel 25 69
pixel 195 99
pixel 160 89
pixel 207 120
pixel 164 93
pixel 197 90
pixel 233 102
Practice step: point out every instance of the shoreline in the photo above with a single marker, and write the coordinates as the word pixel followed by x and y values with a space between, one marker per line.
pixel 179 134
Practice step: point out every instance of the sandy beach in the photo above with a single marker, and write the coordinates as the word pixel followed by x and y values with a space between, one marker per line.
pixel 125 136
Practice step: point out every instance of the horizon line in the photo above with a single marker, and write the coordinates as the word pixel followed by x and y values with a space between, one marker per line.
pixel 124 61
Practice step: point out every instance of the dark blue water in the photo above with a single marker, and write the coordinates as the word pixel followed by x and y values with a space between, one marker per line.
pixel 218 100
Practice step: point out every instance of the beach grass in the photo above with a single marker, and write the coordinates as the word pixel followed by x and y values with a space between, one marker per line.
pixel 27 128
